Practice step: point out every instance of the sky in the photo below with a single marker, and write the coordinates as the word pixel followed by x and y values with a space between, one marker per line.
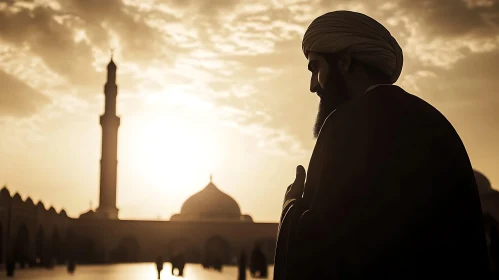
pixel 211 87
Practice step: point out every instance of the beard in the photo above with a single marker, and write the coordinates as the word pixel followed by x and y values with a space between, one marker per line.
pixel 333 95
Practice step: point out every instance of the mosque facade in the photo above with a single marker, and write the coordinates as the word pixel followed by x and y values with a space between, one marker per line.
pixel 210 222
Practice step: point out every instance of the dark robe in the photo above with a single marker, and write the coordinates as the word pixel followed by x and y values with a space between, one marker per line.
pixel 390 194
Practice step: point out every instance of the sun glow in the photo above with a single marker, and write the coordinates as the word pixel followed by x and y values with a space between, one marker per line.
pixel 170 155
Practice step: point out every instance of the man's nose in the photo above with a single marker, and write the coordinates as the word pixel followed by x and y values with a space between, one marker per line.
pixel 314 84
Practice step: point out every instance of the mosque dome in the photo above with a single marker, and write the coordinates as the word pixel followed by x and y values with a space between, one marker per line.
pixel 30 201
pixel 5 191
pixel 483 183
pixel 90 214
pixel 17 197
pixel 63 213
pixel 211 203
pixel 52 210
pixel 40 205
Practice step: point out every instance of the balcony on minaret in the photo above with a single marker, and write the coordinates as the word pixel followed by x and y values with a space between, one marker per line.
pixel 109 120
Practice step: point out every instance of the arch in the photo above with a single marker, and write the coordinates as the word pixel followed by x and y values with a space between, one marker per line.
pixel 86 251
pixel 56 246
pixel 217 248
pixel 39 242
pixel 21 246
pixel 127 251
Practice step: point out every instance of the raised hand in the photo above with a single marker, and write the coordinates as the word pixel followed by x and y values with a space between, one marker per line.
pixel 295 190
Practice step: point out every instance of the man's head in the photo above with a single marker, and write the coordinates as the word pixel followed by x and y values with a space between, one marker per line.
pixel 347 52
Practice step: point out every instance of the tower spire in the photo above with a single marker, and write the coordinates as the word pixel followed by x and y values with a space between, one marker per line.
pixel 211 178
pixel 111 69
pixel 110 123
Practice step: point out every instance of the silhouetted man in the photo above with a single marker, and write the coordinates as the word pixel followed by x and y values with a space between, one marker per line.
pixel 241 265
pixel 390 192
pixel 258 263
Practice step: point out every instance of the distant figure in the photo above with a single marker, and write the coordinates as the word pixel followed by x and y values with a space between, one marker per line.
pixel 174 262
pixel 11 267
pixel 178 262
pixel 258 263
pixel 71 266
pixel 22 263
pixel 205 263
pixel 159 266
pixel 390 191
pixel 241 265
pixel 51 263
pixel 218 265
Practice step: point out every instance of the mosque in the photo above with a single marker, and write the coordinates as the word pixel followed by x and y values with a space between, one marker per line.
pixel 210 222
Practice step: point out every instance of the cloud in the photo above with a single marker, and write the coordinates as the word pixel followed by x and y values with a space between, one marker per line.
pixel 50 40
pixel 439 33
pixel 470 82
pixel 274 141
pixel 239 54
pixel 136 40
pixel 450 18
pixel 71 36
pixel 185 7
pixel 18 99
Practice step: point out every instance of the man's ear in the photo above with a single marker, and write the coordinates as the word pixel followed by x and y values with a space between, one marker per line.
pixel 345 62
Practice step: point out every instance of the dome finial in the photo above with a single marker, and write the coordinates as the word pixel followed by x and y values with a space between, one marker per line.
pixel 211 178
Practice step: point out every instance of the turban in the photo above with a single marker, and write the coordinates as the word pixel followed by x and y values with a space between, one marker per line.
pixel 366 39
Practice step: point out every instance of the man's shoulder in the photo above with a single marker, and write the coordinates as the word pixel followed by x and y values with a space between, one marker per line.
pixel 384 104
pixel 395 102
pixel 393 96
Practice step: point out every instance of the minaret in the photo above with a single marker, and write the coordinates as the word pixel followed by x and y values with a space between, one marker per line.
pixel 109 159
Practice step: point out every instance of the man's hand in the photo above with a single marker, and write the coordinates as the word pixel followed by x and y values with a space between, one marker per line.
pixel 295 190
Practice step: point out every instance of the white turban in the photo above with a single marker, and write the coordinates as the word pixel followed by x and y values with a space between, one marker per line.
pixel 366 39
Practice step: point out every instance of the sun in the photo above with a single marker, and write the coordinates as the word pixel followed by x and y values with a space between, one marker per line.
pixel 169 151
